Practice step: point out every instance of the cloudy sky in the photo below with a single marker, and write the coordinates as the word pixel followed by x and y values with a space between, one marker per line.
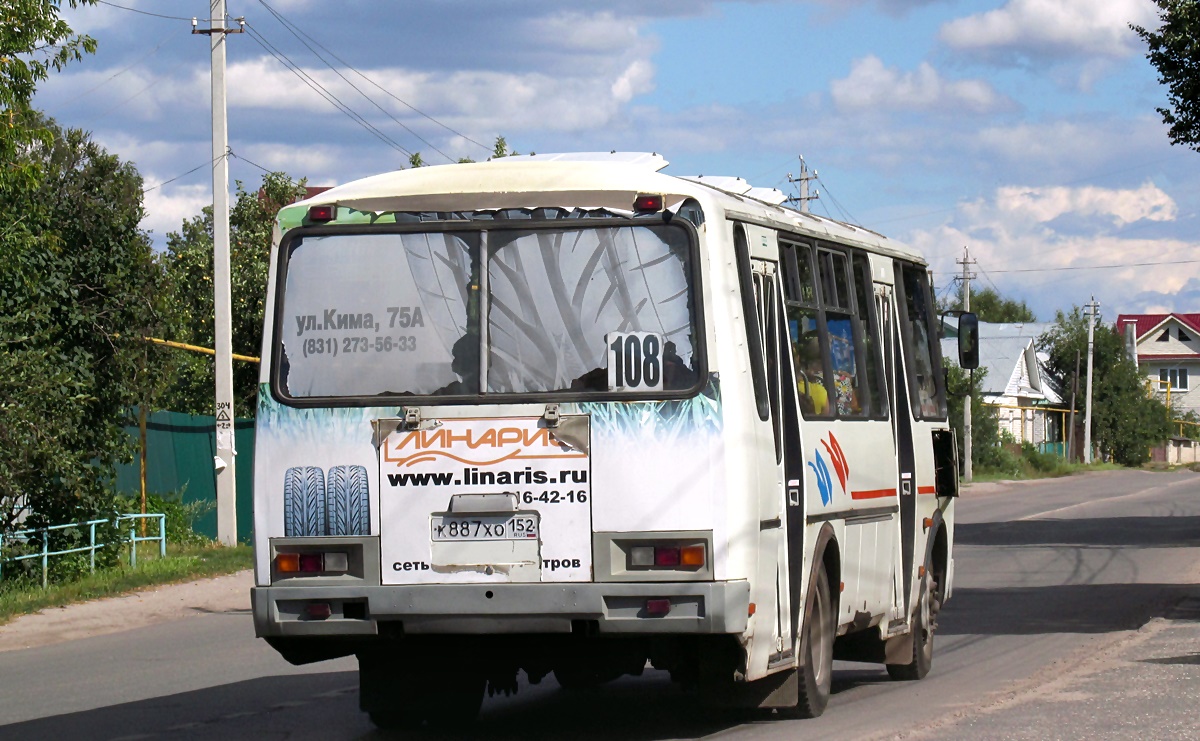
pixel 1023 129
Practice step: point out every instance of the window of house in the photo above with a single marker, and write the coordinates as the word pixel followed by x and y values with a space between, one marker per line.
pixel 1174 378
pixel 1183 336
pixel 1166 335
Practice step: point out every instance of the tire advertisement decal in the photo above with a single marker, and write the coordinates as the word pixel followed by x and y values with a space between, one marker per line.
pixel 485 500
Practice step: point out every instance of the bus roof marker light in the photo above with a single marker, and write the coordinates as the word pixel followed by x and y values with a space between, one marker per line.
pixel 646 203
pixel 322 214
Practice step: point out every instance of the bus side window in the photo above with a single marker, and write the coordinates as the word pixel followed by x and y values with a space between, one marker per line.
pixel 874 401
pixel 843 353
pixel 924 354
pixel 808 351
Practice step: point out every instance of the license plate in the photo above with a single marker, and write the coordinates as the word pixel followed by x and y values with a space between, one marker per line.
pixel 484 527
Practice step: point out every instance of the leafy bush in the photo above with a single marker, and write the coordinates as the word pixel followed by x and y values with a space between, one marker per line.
pixel 181 517
pixel 1039 461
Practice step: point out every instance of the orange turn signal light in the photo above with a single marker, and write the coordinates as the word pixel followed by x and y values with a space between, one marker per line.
pixel 287 563
pixel 691 555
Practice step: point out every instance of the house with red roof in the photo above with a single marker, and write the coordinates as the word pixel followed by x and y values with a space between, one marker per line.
pixel 1167 350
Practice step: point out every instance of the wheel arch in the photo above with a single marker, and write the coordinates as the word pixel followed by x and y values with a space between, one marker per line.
pixel 827 553
pixel 937 549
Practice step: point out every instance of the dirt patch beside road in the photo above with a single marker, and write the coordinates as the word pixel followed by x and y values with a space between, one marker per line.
pixel 229 593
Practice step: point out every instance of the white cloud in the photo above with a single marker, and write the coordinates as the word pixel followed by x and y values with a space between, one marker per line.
pixel 318 164
pixel 1056 246
pixel 1121 206
pixel 1061 148
pixel 872 85
pixel 495 101
pixel 1041 29
pixel 169 206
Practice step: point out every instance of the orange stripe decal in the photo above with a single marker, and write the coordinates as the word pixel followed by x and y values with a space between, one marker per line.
pixel 873 494
pixel 927 490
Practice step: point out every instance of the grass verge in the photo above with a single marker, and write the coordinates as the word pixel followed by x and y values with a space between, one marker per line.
pixel 181 564
pixel 1027 472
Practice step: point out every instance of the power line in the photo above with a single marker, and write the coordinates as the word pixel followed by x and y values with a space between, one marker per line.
pixel 235 155
pixel 189 172
pixel 849 217
pixel 320 90
pixel 1094 267
pixel 99 85
pixel 142 12
pixel 139 93
pixel 298 33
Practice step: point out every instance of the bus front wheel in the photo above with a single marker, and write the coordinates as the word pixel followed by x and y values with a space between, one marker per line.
pixel 816 648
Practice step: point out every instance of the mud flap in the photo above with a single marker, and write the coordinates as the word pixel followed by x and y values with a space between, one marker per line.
pixel 898 649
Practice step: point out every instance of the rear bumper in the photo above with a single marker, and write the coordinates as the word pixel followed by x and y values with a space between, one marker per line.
pixel 620 608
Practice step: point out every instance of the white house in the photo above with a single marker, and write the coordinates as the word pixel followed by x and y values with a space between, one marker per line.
pixel 1014 383
pixel 1167 350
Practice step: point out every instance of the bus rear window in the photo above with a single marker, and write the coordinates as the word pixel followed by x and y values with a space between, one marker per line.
pixel 588 309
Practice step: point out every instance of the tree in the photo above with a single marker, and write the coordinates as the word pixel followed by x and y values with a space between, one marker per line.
pixel 189 263
pixel 1126 420
pixel 1175 53
pixel 990 306
pixel 33 40
pixel 79 286
pixel 985 427
pixel 78 283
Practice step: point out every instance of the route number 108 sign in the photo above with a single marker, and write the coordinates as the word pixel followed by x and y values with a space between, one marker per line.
pixel 635 361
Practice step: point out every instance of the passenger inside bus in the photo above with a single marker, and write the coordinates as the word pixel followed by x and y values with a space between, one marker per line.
pixel 464 361
pixel 810 382
pixel 845 373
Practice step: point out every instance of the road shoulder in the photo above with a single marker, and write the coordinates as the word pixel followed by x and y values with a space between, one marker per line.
pixel 222 594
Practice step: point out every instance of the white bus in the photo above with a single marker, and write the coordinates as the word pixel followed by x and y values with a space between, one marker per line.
pixel 567 414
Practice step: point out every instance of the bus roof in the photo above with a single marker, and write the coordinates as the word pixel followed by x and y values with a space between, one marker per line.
pixel 608 180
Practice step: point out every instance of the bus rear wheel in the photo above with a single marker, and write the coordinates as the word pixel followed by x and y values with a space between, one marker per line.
pixel 816 648
pixel 396 697
pixel 922 627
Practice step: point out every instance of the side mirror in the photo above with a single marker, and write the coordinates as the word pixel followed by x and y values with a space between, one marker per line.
pixel 968 341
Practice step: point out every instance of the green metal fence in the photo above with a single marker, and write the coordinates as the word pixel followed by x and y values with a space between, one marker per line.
pixel 179 452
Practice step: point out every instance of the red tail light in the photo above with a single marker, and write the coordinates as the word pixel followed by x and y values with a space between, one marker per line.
pixel 322 214
pixel 647 204
pixel 666 556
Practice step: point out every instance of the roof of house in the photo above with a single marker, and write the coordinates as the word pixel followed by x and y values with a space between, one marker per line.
pixel 1149 322
pixel 1003 351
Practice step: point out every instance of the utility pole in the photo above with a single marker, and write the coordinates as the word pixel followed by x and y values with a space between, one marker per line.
pixel 1092 308
pixel 803 180
pixel 1074 393
pixel 968 433
pixel 222 299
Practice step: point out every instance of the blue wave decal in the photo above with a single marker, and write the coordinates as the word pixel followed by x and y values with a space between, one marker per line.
pixel 824 480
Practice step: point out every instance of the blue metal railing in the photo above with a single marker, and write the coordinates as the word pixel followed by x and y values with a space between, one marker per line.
pixel 22 536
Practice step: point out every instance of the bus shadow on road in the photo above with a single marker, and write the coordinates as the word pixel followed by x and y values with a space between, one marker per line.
pixel 1115 532
pixel 1072 608
pixel 325 705
pixel 1065 575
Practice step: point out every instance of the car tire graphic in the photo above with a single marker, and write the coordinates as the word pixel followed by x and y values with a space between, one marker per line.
pixel 349 505
pixel 303 501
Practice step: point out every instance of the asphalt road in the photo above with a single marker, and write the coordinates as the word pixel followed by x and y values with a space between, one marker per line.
pixel 1056 584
